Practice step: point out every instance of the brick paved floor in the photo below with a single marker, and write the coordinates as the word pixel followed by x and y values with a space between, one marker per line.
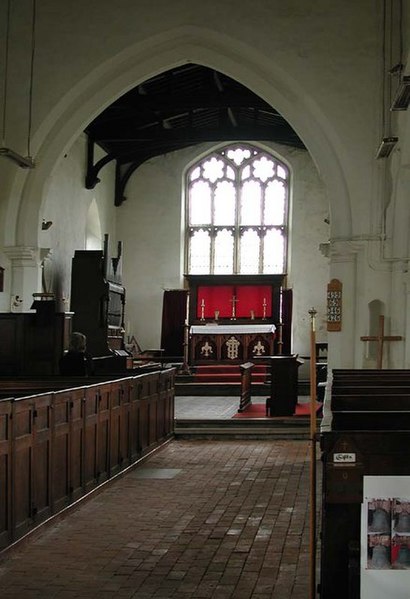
pixel 198 519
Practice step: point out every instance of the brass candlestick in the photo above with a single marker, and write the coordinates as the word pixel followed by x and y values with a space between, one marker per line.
pixel 202 310
pixel 264 309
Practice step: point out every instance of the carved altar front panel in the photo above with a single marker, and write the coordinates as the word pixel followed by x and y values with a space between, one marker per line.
pixel 231 344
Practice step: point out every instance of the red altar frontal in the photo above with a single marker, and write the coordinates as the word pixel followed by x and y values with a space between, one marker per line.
pixel 230 343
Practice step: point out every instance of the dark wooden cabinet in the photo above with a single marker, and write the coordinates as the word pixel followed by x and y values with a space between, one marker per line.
pixel 98 302
pixel 32 344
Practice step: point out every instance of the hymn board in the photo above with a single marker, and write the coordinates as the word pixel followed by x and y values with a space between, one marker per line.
pixel 234 318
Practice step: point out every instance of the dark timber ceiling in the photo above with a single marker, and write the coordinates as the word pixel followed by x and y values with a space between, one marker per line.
pixel 182 107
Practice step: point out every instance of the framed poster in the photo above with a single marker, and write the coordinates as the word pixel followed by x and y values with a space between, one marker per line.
pixel 385 538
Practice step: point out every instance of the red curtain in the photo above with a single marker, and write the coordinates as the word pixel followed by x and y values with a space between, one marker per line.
pixel 248 297
pixel 214 298
pixel 173 320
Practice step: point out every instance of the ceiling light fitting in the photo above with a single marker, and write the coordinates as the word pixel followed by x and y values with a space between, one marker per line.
pixel 386 147
pixel 46 224
pixel 402 97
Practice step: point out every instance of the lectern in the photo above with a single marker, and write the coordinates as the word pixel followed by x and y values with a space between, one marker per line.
pixel 284 384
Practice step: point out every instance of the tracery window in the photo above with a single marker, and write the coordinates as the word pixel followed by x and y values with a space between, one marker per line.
pixel 237 213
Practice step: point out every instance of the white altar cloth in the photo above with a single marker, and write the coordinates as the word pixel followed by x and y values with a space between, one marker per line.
pixel 223 329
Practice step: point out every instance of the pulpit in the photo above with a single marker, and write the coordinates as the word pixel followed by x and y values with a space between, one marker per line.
pixel 284 384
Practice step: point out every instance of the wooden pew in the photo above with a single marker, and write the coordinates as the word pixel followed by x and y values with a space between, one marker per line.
pixel 370 400
pixel 343 376
pixel 376 453
pixel 370 436
pixel 57 446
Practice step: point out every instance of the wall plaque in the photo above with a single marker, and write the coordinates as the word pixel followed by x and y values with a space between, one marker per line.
pixel 334 305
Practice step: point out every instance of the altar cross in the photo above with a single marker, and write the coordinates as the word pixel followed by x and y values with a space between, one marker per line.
pixel 233 301
pixel 381 338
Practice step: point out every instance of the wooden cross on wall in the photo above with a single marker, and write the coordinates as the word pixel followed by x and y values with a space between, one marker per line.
pixel 381 338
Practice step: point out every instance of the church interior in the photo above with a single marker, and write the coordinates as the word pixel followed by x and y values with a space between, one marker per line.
pixel 216 196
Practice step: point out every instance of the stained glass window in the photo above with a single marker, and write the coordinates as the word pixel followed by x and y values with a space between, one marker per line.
pixel 237 213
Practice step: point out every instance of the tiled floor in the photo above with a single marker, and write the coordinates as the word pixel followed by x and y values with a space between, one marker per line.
pixel 218 407
pixel 198 519
pixel 199 408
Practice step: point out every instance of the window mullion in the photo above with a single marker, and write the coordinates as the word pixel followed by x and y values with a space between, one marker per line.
pixel 212 234
pixel 262 233
pixel 237 239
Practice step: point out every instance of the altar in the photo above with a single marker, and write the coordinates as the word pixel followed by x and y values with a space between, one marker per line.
pixel 230 343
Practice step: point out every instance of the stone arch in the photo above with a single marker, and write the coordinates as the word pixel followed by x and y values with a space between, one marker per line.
pixel 152 56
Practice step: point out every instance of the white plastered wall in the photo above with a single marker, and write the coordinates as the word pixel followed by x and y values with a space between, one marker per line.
pixel 67 205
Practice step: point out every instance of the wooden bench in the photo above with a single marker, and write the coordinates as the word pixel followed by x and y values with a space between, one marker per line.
pixel 370 436
pixel 370 374
pixel 58 445
pixel 370 400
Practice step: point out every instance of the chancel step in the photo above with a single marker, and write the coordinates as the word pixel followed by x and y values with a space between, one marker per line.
pixel 278 428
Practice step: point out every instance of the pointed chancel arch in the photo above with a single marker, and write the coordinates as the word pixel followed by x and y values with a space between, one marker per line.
pixel 151 56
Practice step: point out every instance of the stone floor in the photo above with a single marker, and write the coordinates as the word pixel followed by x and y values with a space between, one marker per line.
pixel 218 407
pixel 197 519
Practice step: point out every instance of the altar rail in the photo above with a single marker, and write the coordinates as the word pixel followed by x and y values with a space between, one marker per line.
pixel 56 447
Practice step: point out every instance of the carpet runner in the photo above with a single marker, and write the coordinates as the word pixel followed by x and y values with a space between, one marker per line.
pixel 258 410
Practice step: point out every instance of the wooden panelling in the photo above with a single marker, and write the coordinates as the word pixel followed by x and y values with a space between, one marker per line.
pixel 57 446
pixel 92 403
pixel 42 408
pixel 22 465
pixel 11 335
pixel 77 444
pixel 32 344
pixel 60 459
pixel 5 470
pixel 147 392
